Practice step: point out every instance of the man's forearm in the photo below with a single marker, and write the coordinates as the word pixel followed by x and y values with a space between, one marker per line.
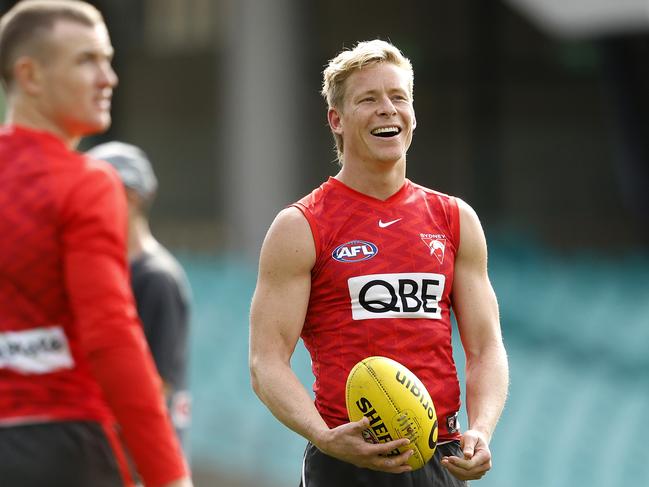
pixel 487 381
pixel 285 396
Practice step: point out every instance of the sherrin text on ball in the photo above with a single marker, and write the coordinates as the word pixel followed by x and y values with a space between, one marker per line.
pixel 397 405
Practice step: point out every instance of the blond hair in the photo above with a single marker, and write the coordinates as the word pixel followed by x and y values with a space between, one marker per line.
pixel 365 53
pixel 21 28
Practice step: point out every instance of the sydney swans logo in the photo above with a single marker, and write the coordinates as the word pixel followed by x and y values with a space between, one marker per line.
pixel 436 244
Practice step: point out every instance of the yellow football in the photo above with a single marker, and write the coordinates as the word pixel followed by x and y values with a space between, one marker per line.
pixel 397 405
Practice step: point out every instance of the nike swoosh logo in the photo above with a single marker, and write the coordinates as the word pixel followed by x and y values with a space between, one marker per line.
pixel 387 224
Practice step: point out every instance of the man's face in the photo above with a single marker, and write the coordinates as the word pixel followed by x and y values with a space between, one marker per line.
pixel 377 118
pixel 76 79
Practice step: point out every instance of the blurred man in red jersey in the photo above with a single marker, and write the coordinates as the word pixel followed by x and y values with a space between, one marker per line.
pixel 73 359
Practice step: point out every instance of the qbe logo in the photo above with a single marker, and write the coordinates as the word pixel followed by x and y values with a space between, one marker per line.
pixel 355 251
pixel 406 295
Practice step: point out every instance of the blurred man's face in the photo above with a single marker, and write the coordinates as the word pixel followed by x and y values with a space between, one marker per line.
pixel 77 79
pixel 377 118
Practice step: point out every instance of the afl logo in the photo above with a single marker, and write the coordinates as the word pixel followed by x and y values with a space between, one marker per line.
pixel 355 251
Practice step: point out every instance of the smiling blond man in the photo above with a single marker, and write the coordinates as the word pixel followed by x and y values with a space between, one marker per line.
pixel 371 263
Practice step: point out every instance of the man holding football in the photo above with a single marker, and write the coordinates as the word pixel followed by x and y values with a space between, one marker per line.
pixel 369 264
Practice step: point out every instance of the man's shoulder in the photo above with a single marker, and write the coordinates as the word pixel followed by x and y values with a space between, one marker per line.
pixel 158 264
pixel 45 154
pixel 94 169
pixel 316 195
pixel 86 186
pixel 415 187
pixel 30 150
pixel 157 273
pixel 40 158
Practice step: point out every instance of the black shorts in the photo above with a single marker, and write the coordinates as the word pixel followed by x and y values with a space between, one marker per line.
pixel 61 454
pixel 320 470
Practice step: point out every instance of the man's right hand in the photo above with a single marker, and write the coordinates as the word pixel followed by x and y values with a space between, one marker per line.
pixel 346 443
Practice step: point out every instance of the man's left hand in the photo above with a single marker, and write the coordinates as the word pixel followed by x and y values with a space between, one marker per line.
pixel 477 457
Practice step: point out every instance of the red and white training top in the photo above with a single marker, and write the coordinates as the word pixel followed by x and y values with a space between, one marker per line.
pixel 71 345
pixel 381 285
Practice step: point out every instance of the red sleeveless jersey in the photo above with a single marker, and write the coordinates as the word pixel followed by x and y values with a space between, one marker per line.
pixel 381 285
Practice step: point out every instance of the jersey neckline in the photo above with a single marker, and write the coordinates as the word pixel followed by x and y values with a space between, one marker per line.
pixel 400 194
pixel 43 135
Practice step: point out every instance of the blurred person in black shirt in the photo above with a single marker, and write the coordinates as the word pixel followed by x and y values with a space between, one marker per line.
pixel 160 286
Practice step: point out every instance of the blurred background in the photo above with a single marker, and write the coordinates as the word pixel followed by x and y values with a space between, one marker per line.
pixel 536 112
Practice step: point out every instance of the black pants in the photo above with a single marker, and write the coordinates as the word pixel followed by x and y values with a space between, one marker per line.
pixel 320 470
pixel 63 454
